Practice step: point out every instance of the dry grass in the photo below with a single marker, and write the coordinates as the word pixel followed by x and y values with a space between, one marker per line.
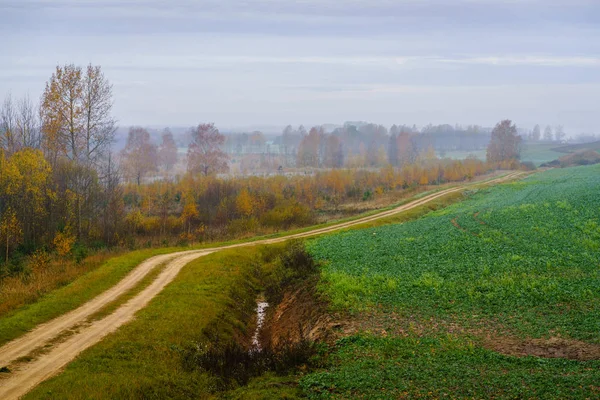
pixel 16 291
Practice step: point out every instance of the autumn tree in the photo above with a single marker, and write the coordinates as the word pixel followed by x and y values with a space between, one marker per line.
pixel 11 232
pixel 167 151
pixel 30 191
pixel 372 156
pixel 505 143
pixel 204 152
pixel 139 155
pixel 392 150
pixel 407 152
pixel 62 112
pixel 77 131
pixel 98 125
pixel 189 214
pixel 76 113
pixel 334 152
pixel 309 151
pixel 244 202
pixel 112 211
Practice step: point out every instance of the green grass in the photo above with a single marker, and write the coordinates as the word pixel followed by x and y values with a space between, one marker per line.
pixel 128 295
pixel 71 296
pixel 539 153
pixel 142 359
pixel 528 248
pixel 571 148
pixel 366 366
pixel 520 260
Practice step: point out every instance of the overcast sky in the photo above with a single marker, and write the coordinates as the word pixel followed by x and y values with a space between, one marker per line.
pixel 274 62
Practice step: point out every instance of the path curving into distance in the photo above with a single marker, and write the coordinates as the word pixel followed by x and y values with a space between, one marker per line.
pixel 24 376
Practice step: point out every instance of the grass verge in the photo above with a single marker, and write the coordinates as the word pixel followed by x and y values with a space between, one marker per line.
pixel 71 296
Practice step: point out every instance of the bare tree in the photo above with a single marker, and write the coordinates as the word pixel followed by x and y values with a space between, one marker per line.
pixel 98 124
pixel 204 153
pixel 8 122
pixel 77 126
pixel 167 152
pixel 139 155
pixel 28 127
pixel 112 209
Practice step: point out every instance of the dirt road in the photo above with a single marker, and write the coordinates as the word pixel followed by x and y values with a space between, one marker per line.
pixel 26 375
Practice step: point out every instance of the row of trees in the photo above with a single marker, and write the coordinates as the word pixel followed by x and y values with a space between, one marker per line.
pixel 208 208
pixel 61 185
pixel 58 178
pixel 320 149
pixel 205 154
pixel 549 135
pixel 362 143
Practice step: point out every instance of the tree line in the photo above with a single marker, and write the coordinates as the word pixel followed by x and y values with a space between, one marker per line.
pixel 63 188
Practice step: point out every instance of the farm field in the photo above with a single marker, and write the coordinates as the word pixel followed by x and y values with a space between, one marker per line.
pixel 537 153
pixel 491 297
pixel 462 301
pixel 89 322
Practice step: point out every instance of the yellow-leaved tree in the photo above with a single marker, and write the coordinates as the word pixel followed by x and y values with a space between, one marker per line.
pixel 243 203
pixel 63 242
pixel 11 232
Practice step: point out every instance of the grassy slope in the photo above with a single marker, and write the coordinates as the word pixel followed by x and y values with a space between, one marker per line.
pixel 525 266
pixel 141 359
pixel 571 148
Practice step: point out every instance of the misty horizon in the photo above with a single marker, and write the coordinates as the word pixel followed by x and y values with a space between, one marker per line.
pixel 259 63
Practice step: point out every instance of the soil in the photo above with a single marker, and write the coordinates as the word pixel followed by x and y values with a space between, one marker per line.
pixel 490 336
pixel 554 347
pixel 301 314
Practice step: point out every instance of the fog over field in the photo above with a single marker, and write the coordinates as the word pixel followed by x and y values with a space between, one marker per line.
pixel 248 63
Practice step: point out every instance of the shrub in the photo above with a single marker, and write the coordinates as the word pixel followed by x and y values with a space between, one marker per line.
pixel 63 242
pixel 80 252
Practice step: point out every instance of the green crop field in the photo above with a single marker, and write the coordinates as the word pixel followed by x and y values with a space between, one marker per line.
pixel 437 296
pixel 537 153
